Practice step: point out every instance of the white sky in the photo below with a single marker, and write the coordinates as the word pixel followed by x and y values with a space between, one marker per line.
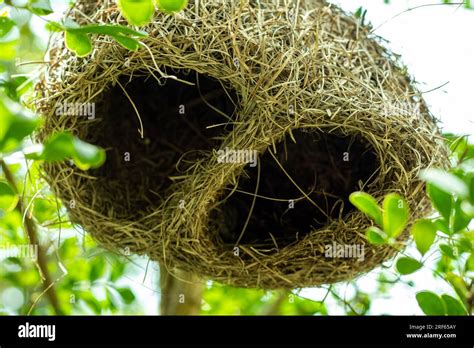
pixel 437 45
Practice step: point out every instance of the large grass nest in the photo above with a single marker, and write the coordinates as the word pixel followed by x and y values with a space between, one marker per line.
pixel 327 108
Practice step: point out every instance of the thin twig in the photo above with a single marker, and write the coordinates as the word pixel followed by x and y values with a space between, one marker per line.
pixel 140 130
pixel 414 8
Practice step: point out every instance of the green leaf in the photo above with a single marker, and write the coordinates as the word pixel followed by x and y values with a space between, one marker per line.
pixel 424 233
pixel 8 50
pixel 14 127
pixel 54 27
pixel 137 12
pixel 470 263
pixel 457 145
pixel 87 155
pixel 105 29
pixel 459 220
pixel 358 12
pixel 445 181
pixel 97 269
pixel 78 43
pixel 8 197
pixel 441 200
pixel 62 146
pixel 123 35
pixel 447 251
pixel 15 87
pixel 117 271
pixel 91 301
pixel 111 299
pixel 6 25
pixel 9 39
pixel 407 265
pixel 44 210
pixel 127 295
pixel 395 214
pixel 368 205
pixel 453 305
pixel 469 179
pixel 170 6
pixel 459 285
pixel 126 42
pixel 464 245
pixel 462 149
pixel 430 303
pixel 40 7
pixel 442 226
pixel 58 147
pixel 375 236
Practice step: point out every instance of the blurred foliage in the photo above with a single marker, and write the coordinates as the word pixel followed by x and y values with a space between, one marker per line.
pixel 89 280
pixel 86 279
pixel 224 300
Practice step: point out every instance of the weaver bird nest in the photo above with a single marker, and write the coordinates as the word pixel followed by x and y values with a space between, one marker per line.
pixel 235 135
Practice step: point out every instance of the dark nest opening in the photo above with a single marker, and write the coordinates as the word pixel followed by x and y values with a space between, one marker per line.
pixel 326 167
pixel 181 122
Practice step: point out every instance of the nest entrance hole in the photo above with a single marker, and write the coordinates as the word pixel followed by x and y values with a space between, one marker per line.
pixel 180 123
pixel 326 167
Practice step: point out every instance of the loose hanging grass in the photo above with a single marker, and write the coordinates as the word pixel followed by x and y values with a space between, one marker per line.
pixel 327 108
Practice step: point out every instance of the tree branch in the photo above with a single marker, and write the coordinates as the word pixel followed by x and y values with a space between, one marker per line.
pixel 181 293
pixel 275 306
pixel 31 231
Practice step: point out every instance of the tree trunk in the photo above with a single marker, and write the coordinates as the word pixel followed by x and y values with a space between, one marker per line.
pixel 181 292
